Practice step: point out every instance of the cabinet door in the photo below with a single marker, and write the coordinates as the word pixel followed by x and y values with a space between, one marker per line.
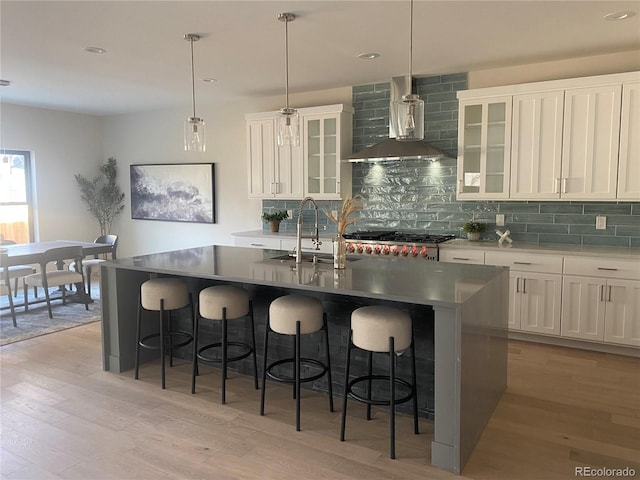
pixel 590 142
pixel 288 172
pixel 540 302
pixel 484 139
pixel 622 317
pixel 456 255
pixel 629 164
pixel 261 151
pixel 536 145
pixel 583 307
pixel 321 154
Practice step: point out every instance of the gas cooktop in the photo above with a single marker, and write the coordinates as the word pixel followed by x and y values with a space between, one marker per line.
pixel 398 237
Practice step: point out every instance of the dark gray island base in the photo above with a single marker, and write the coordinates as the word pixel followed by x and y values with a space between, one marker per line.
pixel 461 309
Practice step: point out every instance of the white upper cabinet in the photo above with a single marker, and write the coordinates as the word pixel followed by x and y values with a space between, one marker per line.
pixel 484 140
pixel 629 166
pixel 314 168
pixel 536 145
pixel 573 139
pixel 590 143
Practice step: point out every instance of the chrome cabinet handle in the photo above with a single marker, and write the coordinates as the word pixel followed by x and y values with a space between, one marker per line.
pixel 608 269
pixel 522 263
pixel 602 293
pixel 257 244
pixel 517 285
pixel 460 258
pixel 556 187
pixel 524 285
pixel 564 185
pixel 609 293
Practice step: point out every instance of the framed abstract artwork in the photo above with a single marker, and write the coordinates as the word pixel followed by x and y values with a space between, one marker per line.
pixel 180 192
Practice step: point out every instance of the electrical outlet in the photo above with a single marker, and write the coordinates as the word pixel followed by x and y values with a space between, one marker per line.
pixel 500 219
pixel 290 213
pixel 601 222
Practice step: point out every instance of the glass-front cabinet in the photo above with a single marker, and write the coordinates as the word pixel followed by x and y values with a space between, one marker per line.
pixel 484 148
pixel 327 139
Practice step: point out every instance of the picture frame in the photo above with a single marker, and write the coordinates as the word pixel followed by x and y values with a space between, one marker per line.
pixel 174 192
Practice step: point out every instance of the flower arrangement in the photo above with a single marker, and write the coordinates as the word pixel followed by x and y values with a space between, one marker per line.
pixel 349 207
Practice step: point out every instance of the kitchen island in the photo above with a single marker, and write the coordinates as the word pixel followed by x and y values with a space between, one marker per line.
pixel 469 305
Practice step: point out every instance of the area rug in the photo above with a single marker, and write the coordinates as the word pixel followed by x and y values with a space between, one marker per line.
pixel 36 321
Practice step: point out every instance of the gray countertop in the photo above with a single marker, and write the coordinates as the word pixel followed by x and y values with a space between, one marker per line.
pixel 427 283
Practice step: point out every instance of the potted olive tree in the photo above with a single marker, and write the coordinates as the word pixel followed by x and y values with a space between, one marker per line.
pixel 102 194
pixel 473 230
pixel 274 219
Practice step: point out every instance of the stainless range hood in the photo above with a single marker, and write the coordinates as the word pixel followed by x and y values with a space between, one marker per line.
pixel 392 149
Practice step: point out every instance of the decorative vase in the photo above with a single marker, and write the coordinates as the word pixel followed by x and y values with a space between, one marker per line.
pixel 339 252
pixel 275 225
pixel 473 236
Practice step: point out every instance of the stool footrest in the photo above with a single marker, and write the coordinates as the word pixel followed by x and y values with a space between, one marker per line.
pixel 188 337
pixel 241 356
pixel 303 362
pixel 372 401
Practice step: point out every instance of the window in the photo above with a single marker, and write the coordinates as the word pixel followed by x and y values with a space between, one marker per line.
pixel 16 199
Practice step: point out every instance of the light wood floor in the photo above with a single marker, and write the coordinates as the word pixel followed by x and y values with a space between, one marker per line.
pixel 63 417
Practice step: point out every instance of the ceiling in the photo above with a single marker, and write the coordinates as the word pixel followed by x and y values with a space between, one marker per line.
pixel 147 62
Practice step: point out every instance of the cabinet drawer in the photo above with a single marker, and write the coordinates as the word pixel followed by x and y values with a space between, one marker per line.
pixel 602 267
pixel 258 242
pixel 462 256
pixel 525 262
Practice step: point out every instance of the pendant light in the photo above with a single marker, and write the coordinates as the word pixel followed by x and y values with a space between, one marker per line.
pixel 407 113
pixel 194 132
pixel 288 119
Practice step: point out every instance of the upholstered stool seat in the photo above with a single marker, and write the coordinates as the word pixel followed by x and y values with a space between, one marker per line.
pixel 296 315
pixel 163 295
pixel 223 303
pixel 381 329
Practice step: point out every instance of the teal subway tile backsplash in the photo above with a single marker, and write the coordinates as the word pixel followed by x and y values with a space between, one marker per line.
pixel 421 195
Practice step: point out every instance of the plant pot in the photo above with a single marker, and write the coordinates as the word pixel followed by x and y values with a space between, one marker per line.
pixel 275 225
pixel 473 236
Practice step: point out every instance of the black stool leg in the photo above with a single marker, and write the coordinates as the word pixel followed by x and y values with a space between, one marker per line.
pixel 294 356
pixel 193 326
pixel 138 320
pixel 264 365
pixel 392 399
pixel 194 372
pixel 170 338
pixel 415 385
pixel 297 376
pixel 253 344
pixel 329 380
pixel 224 355
pixel 369 383
pixel 346 388
pixel 162 339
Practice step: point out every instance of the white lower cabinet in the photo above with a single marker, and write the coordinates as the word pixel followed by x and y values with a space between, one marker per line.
pixel 257 242
pixel 457 255
pixel 605 307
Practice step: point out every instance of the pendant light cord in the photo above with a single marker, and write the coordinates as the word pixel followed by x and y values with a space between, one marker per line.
pixel 193 81
pixel 411 40
pixel 286 62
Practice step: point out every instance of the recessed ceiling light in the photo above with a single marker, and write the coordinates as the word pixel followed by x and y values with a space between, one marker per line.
pixel 209 80
pixel 368 56
pixel 5 83
pixel 619 15
pixel 94 50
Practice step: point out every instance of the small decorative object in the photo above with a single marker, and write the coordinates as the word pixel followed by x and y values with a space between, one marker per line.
pixel 102 194
pixel 473 229
pixel 349 206
pixel 504 237
pixel 274 219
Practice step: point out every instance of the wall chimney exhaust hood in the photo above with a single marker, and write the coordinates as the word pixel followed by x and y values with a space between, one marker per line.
pixel 392 149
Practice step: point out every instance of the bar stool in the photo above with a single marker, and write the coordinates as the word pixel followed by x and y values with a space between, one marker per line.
pixel 163 295
pixel 384 330
pixel 223 303
pixel 296 315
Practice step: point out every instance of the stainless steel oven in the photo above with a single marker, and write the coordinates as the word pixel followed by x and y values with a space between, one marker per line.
pixel 395 244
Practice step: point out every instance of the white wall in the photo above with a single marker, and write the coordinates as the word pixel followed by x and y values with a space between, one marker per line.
pixel 156 137
pixel 61 145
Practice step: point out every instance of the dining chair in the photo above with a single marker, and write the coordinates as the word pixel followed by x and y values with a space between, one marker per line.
pixel 57 278
pixel 5 287
pixel 17 271
pixel 89 263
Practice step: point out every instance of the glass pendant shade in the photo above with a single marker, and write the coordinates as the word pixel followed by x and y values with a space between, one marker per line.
pixel 407 118
pixel 195 139
pixel 288 127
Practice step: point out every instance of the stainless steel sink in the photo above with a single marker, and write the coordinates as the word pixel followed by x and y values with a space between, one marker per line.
pixel 309 258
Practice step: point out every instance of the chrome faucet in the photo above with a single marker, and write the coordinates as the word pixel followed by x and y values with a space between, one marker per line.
pixel 299 236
